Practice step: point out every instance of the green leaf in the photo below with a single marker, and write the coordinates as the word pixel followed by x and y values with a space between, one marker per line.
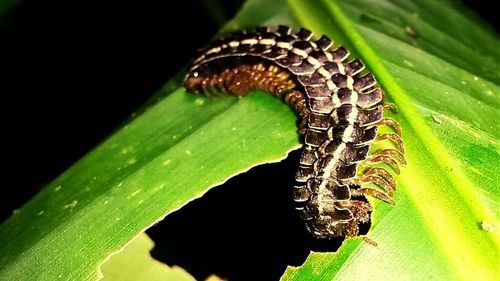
pixel 436 62
pixel 134 263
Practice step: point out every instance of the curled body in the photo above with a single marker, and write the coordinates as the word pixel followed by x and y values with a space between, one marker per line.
pixel 340 110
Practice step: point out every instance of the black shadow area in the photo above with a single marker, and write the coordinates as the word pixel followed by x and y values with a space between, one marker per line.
pixel 246 229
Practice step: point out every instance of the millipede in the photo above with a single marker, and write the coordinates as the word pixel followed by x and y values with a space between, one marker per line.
pixel 340 109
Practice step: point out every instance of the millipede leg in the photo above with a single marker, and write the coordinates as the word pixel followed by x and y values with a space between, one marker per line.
pixel 392 107
pixel 391 123
pixel 395 154
pixel 396 139
pixel 382 157
pixel 297 101
pixel 383 173
pixel 382 179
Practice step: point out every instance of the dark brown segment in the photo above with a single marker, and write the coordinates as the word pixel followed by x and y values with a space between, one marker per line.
pixel 321 105
pixel 331 67
pixel 324 43
pixel 290 59
pixel 318 91
pixel 304 34
pixel 304 213
pixel 340 80
pixel 319 55
pixel 354 154
pixel 339 54
pixel 315 79
pixel 319 121
pixel 304 68
pixel 287 39
pixel 365 135
pixel 331 146
pixel 345 171
pixel 301 193
pixel 308 157
pixel 354 67
pixel 322 163
pixel 283 30
pixel 341 214
pixel 304 46
pixel 315 138
pixel 370 98
pixel 312 206
pixel 343 112
pixel 304 173
pixel 370 116
pixel 340 192
pixel 344 95
pixel 363 82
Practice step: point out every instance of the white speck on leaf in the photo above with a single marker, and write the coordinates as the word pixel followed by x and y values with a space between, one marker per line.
pixel 71 205
pixel 41 213
pixel 487 226
pixel 131 161
pixel 166 162
pixel 140 202
pixel 58 188
pixel 161 186
pixel 188 152
pixel 408 63
pixel 133 193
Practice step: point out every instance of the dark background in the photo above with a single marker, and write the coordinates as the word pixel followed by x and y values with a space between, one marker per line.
pixel 74 70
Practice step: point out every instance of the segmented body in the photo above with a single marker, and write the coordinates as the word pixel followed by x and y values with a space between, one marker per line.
pixel 339 108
